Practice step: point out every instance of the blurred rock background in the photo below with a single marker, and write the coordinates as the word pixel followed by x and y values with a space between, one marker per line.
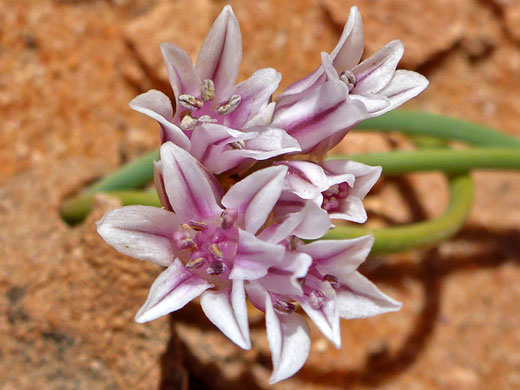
pixel 68 69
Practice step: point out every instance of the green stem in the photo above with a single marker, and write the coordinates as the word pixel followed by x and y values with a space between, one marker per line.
pixel 133 175
pixel 422 123
pixel 445 160
pixel 421 234
pixel 75 210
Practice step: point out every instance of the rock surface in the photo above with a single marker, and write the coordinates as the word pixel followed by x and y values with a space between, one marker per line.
pixel 67 71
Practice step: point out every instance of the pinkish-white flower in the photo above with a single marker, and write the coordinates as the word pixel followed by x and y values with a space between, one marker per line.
pixel 209 242
pixel 219 123
pixel 373 88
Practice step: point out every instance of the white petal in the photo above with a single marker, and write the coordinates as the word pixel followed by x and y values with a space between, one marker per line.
pixel 360 298
pixel 373 103
pixel 172 290
pixel 365 175
pixel 349 49
pixel 404 85
pixel 221 53
pixel 228 311
pixel 188 184
pixel 350 209
pixel 326 318
pixel 374 73
pixel 157 105
pixel 254 257
pixel 255 196
pixel 183 78
pixel 305 179
pixel 289 340
pixel 143 232
pixel 283 278
pixel 339 257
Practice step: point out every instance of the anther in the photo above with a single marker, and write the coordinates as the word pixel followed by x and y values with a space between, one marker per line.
pixel 230 105
pixel 348 78
pixel 216 268
pixel 240 144
pixel 332 280
pixel 229 217
pixel 195 263
pixel 216 251
pixel 188 122
pixel 207 90
pixel 295 242
pixel 198 225
pixel 206 119
pixel 182 242
pixel 316 299
pixel 190 102
pixel 284 306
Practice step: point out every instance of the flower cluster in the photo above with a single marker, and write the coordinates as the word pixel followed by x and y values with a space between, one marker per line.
pixel 232 229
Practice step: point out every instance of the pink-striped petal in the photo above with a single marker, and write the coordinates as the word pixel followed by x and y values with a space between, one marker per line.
pixel 157 105
pixel 284 278
pixel 143 232
pixel 349 49
pixel 172 290
pixel 404 85
pixel 255 196
pixel 221 53
pixel 228 311
pixel 183 78
pixel 188 185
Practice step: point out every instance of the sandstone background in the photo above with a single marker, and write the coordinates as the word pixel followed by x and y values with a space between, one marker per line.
pixel 68 69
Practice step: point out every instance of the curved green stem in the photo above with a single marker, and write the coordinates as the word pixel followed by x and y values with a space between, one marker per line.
pixel 445 160
pixel 421 234
pixel 75 210
pixel 422 123
pixel 133 175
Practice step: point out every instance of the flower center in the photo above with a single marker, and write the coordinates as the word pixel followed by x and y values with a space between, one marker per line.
pixel 208 111
pixel 332 197
pixel 208 249
pixel 349 78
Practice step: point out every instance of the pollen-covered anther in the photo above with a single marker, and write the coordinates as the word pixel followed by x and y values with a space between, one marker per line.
pixel 284 306
pixel 240 144
pixel 332 280
pixel 230 105
pixel 188 122
pixel 349 78
pixel 190 102
pixel 216 268
pixel 181 241
pixel 228 217
pixel 207 90
pixel 216 251
pixel 198 225
pixel 195 263
pixel 206 119
pixel 316 299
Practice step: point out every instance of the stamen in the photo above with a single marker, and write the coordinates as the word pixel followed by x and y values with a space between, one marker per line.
pixel 332 280
pixel 342 190
pixel 216 251
pixel 207 90
pixel 195 263
pixel 206 119
pixel 348 78
pixel 295 242
pixel 182 242
pixel 284 306
pixel 332 190
pixel 190 102
pixel 240 144
pixel 188 122
pixel 216 268
pixel 229 217
pixel 316 299
pixel 198 225
pixel 230 105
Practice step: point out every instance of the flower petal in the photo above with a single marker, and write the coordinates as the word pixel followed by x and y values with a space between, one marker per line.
pixel 188 184
pixel 326 318
pixel 349 49
pixel 172 290
pixel 289 340
pixel 360 298
pixel 365 175
pixel 404 85
pixel 374 73
pixel 254 257
pixel 158 181
pixel 373 103
pixel 283 278
pixel 228 311
pixel 143 232
pixel 221 53
pixel 157 105
pixel 255 92
pixel 305 179
pixel 255 196
pixel 183 78
pixel 338 257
